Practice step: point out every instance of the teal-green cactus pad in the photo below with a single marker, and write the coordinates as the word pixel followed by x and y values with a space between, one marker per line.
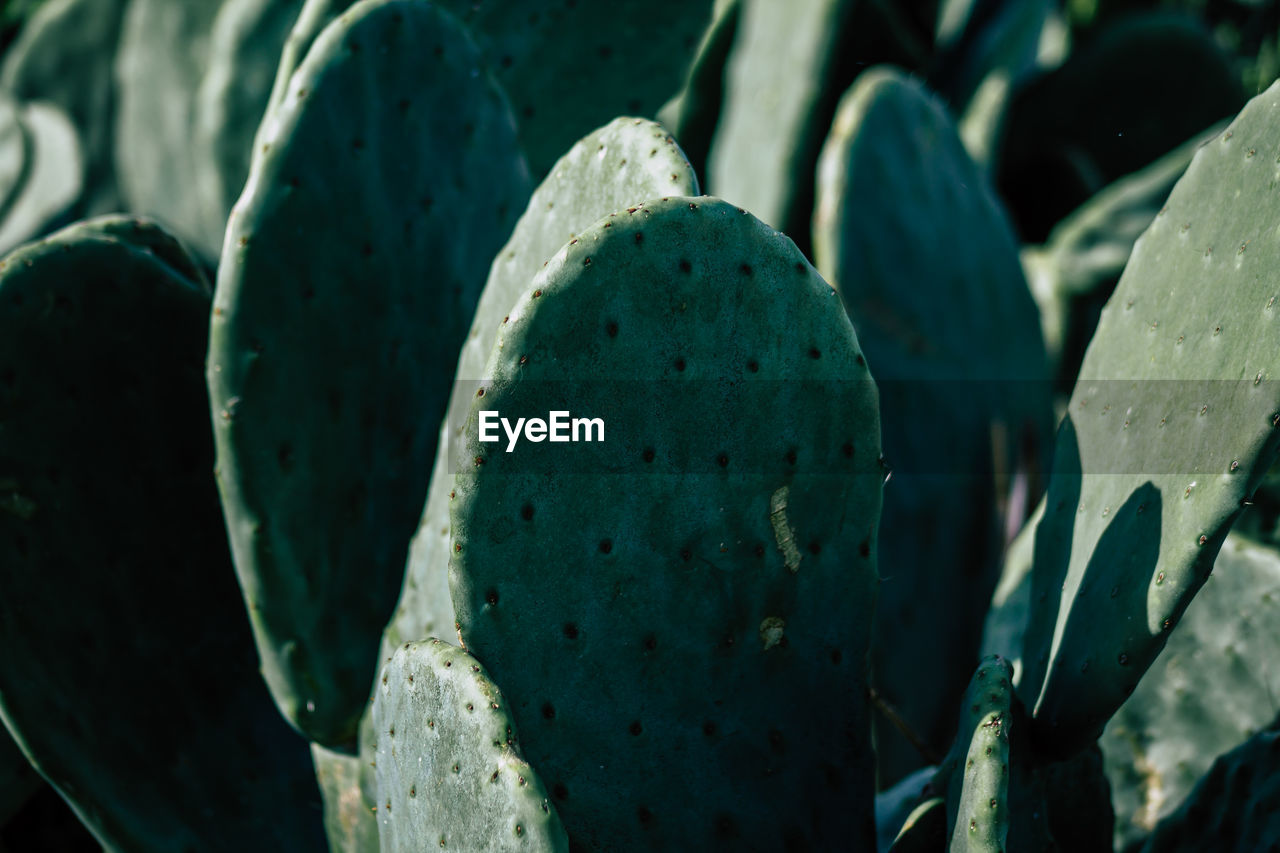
pixel 162 58
pixel 1123 98
pixel 52 178
pixel 1171 426
pixel 978 793
pixel 386 181
pixel 314 16
pixel 624 163
pixel 127 667
pixel 771 127
pixel 686 663
pixel 64 55
pixel 694 113
pixel 450 770
pixel 913 238
pixel 570 67
pixel 1212 687
pixel 18 779
pixel 244 51
pixel 1234 809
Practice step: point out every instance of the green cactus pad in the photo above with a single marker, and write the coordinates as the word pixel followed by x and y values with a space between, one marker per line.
pixel 1234 809
pixel 162 58
pixel 314 16
pixel 624 163
pixel 1212 687
pixel 350 790
pixel 18 779
pixel 772 124
pixel 909 233
pixel 64 56
pixel 925 829
pixel 573 66
pixel 127 667
pixel 1171 426
pixel 244 51
pixel 687 663
pixel 52 176
pixel 449 765
pixel 693 114
pixel 15 155
pixel 1074 273
pixel 978 789
pixel 351 271
pixel 1128 95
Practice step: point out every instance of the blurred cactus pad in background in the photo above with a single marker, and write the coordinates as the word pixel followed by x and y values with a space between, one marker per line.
pixel 935 351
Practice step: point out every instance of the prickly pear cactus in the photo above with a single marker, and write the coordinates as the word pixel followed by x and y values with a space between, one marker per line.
pixel 1073 273
pixel 693 114
pixel 163 55
pixel 978 790
pixel 669 656
pixel 244 50
pixel 107 435
pixel 621 164
pixel 349 277
pixel 449 762
pixel 1212 687
pixel 1235 808
pixel 49 170
pixel 350 791
pixel 620 58
pixel 1147 84
pixel 1171 426
pixel 919 248
pixel 64 56
pixel 771 127
pixel 18 779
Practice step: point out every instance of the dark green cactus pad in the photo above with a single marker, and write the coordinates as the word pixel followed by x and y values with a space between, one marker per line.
pixel 977 41
pixel 1128 95
pixel 1077 800
pixel 687 663
pixel 161 61
pixel 1234 809
pixel 127 667
pixel 244 52
pixel 909 233
pixel 622 164
pixel 925 829
pixel 895 805
pixel 18 779
pixel 1073 274
pixel 693 114
pixel 1010 608
pixel 626 57
pixel 64 55
pixel 350 274
pixel 1212 687
pixel 450 770
pixel 1171 426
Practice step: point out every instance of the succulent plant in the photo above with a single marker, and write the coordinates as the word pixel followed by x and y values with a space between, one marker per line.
pixel 808 534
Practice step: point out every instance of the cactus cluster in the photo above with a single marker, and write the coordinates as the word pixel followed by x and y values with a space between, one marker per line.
pixel 690 372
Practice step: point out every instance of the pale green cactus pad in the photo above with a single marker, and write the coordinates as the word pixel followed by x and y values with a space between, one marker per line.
pixel 450 770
